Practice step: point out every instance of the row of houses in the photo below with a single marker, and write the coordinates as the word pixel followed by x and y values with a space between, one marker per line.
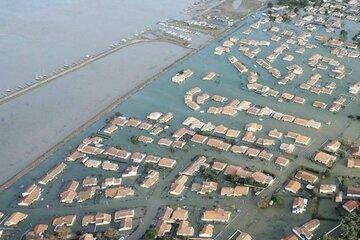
pixel 169 218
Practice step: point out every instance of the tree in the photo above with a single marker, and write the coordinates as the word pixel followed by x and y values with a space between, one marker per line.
pixel 350 227
pixel 343 34
pixel 61 234
pixel 150 234
pixel 279 200
pixel 210 174
pixel 286 17
pixel 326 237
pixel 165 238
pixel 111 234
pixel 314 207
pixel 270 4
pixel 134 140
pixel 263 203
pixel 327 173
pixel 304 3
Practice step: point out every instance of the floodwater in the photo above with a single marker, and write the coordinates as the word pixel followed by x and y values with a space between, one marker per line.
pixel 163 95
pixel 38 37
pixel 33 123
pixel 236 4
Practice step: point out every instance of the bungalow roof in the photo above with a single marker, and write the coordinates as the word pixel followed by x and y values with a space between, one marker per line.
pixel 165 142
pixel 167 117
pixel 138 157
pixel 219 166
pixel 185 229
pixel 119 121
pixel 64 221
pixel 145 126
pixel 306 176
pixel 119 192
pixel 53 174
pixel 198 138
pixel 221 129
pixel 154 115
pixel 282 161
pixel 167 162
pixel 239 149
pixel 110 129
pixel 126 213
pixel 233 133
pixel 15 219
pixel 132 122
pixel 178 144
pixel 207 231
pixel 324 158
pixel 266 155
pixel 275 133
pixel 217 215
pixel 293 186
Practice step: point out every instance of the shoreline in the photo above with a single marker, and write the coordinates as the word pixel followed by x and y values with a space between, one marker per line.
pixel 88 123
pixel 28 168
pixel 71 69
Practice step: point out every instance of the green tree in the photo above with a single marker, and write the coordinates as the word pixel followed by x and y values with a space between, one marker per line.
pixel 165 238
pixel 111 234
pixel 326 237
pixel 343 34
pixel 61 234
pixel 327 173
pixel 279 200
pixel 150 234
pixel 263 203
pixel 134 140
pixel 350 227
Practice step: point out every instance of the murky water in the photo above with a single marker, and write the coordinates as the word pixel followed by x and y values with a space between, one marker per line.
pixel 38 37
pixel 36 121
pixel 162 95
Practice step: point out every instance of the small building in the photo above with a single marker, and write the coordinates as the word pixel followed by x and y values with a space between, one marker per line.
pixel 306 176
pixel 351 205
pixel 282 161
pixel 217 215
pixel 306 231
pixel 299 205
pixel 353 192
pixel 207 231
pixel 333 146
pixel 324 158
pixel 353 163
pixel 15 219
pixel 293 186
pixel 327 188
